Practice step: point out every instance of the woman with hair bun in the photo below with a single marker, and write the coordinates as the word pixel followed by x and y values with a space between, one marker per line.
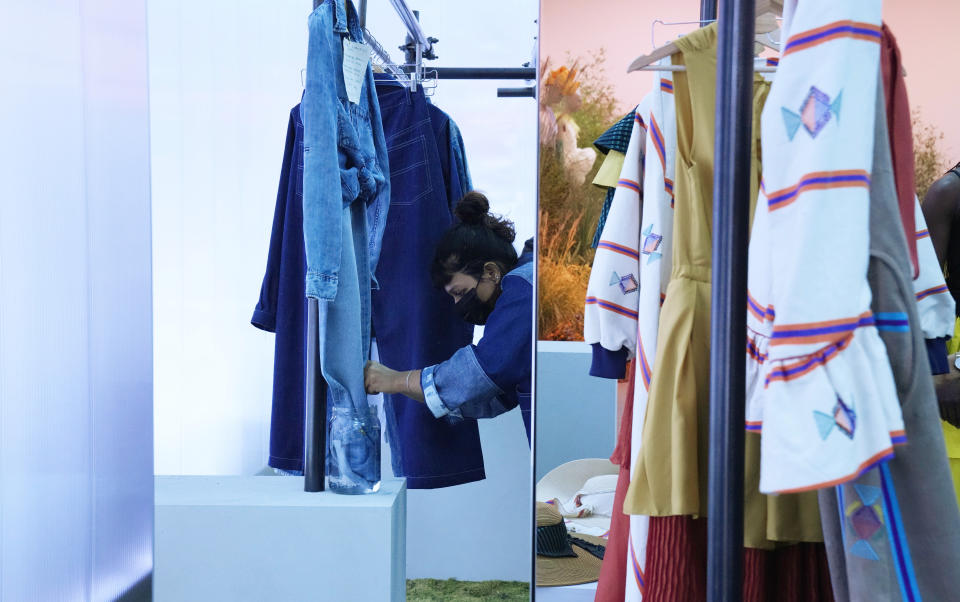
pixel 476 264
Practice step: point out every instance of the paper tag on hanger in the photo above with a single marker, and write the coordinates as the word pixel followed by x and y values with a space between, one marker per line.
pixel 356 56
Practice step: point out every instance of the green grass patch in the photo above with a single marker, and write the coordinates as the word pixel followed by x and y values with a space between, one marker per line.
pixel 451 590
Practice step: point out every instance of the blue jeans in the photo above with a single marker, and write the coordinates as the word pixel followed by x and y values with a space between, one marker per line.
pixel 415 323
pixel 345 199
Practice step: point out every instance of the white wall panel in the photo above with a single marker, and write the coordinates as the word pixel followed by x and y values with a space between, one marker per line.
pixel 223 78
pixel 76 493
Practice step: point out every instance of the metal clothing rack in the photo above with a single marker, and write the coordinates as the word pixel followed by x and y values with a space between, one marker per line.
pixel 418 47
pixel 731 208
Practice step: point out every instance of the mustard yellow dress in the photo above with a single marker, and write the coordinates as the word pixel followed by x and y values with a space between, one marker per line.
pixel 670 471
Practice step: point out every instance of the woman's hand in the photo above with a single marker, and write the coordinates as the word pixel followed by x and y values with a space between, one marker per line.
pixel 377 378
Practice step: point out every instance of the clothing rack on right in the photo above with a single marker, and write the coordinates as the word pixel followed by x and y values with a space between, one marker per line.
pixel 798 457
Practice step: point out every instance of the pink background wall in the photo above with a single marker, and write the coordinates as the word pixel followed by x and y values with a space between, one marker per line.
pixel 926 31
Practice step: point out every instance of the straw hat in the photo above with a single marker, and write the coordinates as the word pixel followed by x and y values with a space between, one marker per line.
pixel 564 559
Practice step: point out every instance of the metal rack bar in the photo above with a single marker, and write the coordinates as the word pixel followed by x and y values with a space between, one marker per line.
pixel 708 10
pixel 412 24
pixel 315 419
pixel 485 72
pixel 525 92
pixel 731 208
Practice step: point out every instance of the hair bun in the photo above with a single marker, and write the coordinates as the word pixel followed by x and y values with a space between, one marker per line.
pixel 472 209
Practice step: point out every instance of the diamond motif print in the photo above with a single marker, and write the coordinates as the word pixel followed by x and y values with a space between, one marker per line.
pixel 845 418
pixel 628 284
pixel 815 111
pixel 651 243
pixel 865 522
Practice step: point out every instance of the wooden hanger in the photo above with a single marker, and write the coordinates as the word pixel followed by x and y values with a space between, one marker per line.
pixel 766 23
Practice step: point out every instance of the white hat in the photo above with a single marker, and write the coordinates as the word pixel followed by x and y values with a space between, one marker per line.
pixel 583 492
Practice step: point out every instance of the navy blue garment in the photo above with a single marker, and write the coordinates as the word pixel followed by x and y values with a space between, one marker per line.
pixel 282 308
pixel 447 135
pixel 609 364
pixel 937 354
pixel 415 323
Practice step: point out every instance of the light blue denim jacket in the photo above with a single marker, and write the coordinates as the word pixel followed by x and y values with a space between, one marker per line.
pixel 344 150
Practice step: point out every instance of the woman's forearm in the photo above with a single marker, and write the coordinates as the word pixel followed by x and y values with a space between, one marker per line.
pixel 411 385
pixel 380 379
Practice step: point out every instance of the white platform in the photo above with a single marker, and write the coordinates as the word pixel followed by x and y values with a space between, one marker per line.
pixel 265 539
pixel 569 593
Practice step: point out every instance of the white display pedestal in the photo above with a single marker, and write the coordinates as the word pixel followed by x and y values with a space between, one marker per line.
pixel 568 593
pixel 265 539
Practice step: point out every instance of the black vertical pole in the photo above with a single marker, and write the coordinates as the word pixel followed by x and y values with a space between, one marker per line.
pixel 315 417
pixel 708 10
pixel 731 192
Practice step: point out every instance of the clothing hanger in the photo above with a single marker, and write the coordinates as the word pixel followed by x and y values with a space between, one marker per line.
pixel 381 58
pixel 766 39
pixel 766 23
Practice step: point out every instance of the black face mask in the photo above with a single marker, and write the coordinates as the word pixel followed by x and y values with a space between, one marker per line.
pixel 472 309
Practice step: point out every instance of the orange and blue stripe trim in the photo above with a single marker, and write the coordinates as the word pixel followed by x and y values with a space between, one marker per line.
pixel 658 142
pixel 773 62
pixel 754 426
pixel 637 569
pixel 754 352
pixel 923 234
pixel 832 31
pixel 645 372
pixel 666 85
pixel 795 370
pixel 639 119
pixel 932 291
pixel 898 437
pixel 612 246
pixel 820 180
pixel 627 183
pixel 668 186
pixel 759 312
pixel 754 307
pixel 613 307
pixel 819 332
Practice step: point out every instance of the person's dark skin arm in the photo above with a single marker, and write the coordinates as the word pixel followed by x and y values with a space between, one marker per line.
pixel 939 208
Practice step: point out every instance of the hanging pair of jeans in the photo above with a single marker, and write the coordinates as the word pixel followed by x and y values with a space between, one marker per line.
pixel 346 195
pixel 415 323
